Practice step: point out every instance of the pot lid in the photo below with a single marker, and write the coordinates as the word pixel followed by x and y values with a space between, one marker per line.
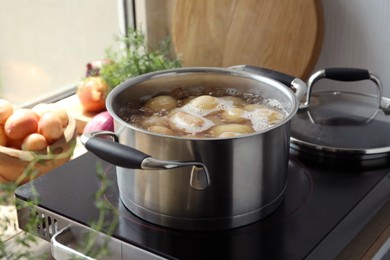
pixel 342 123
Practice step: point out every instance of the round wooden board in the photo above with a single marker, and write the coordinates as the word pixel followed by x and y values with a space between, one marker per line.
pixel 283 35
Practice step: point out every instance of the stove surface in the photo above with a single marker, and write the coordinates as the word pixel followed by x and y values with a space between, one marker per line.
pixel 323 210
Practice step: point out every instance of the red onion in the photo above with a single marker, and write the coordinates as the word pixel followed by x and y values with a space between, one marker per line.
pixel 102 121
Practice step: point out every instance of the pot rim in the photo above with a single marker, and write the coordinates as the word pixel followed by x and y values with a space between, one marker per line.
pixel 170 72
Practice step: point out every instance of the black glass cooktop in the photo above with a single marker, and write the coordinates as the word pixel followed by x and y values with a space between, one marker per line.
pixel 323 209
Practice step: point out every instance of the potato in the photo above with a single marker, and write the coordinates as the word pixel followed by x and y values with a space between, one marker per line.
pixel 161 103
pixel 216 119
pixel 182 121
pixel 34 142
pixel 233 115
pixel 237 101
pixel 43 108
pixel 272 115
pixel 3 137
pixel 253 107
pixel 6 110
pixel 230 128
pixel 204 102
pixel 160 130
pixel 60 112
pixel 182 118
pixel 40 109
pixel 275 117
pixel 155 120
pixel 20 124
pixel 50 127
pixel 16 144
pixel 229 134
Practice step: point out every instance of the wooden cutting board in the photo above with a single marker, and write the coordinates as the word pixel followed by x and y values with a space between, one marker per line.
pixel 283 35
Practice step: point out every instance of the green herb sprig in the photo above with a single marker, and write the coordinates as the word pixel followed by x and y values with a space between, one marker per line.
pixel 132 57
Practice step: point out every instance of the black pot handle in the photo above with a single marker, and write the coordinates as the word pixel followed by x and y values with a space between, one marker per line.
pixel 296 84
pixel 343 74
pixel 113 152
pixel 128 157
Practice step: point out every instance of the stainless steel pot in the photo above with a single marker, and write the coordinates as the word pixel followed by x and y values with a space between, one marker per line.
pixel 195 183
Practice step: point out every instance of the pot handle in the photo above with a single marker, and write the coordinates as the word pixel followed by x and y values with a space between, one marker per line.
pixel 347 75
pixel 296 84
pixel 128 157
pixel 112 152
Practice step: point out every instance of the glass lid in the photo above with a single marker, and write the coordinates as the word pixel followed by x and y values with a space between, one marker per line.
pixel 331 123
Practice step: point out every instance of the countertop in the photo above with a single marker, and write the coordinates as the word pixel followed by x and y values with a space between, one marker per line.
pixel 12 233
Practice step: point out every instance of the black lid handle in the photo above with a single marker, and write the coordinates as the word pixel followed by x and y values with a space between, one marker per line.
pixel 342 74
pixel 346 74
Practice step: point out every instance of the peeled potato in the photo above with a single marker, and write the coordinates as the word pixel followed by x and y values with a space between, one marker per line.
pixel 6 110
pixel 230 128
pixel 20 124
pixel 50 127
pixel 229 134
pixel 216 119
pixel 155 120
pixel 204 102
pixel 235 100
pixel 182 121
pixel 272 115
pixel 275 117
pixel 34 142
pixel 161 130
pixel 183 118
pixel 252 107
pixel 161 103
pixel 233 115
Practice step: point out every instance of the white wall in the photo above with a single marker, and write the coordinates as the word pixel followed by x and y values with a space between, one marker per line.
pixel 357 34
pixel 45 44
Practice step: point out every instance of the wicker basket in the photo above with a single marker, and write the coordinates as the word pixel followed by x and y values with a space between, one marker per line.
pixel 22 166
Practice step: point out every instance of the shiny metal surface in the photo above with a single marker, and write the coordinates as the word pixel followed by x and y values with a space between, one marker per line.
pixel 343 124
pixel 247 173
pixel 321 74
pixel 66 236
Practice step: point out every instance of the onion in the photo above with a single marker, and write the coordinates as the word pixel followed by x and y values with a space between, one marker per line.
pixel 102 121
pixel 92 92
pixel 93 67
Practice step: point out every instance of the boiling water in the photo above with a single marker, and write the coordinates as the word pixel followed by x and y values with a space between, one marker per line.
pixel 217 113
